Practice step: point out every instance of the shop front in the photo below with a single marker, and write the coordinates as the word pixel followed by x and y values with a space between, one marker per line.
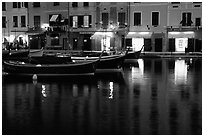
pixel 104 40
pixel 184 41
pixel 136 40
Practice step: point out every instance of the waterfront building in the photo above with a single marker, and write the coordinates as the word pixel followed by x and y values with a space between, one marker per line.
pixel 159 26
pixel 148 22
pixel 14 24
pixel 37 24
pixel 111 25
pixel 82 25
pixel 185 27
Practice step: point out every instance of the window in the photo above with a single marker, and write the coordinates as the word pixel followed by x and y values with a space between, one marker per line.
pixel 86 21
pixel 15 5
pixel 196 6
pixel 137 19
pixel 155 18
pixel 186 19
pixel 3 22
pixel 3 6
pixel 121 18
pixel 105 20
pixel 23 23
pixel 15 21
pixel 19 4
pixel 36 4
pixel 37 21
pixel 75 21
pixel 74 4
pixel 26 4
pixel 86 4
pixel 56 3
pixel 175 2
pixel 197 21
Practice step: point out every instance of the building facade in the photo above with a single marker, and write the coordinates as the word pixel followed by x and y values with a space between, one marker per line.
pixel 14 23
pixel 159 26
pixel 185 27
pixel 148 26
pixel 37 24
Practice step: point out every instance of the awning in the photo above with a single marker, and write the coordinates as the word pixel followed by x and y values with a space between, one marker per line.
pixel 139 35
pixel 186 34
pixel 102 35
pixel 54 18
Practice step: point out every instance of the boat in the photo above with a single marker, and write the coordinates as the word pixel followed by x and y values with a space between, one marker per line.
pixel 72 68
pixel 109 62
pixel 50 59
pixel 36 53
pixel 133 54
pixel 8 55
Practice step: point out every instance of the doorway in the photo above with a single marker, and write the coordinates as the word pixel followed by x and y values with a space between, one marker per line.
pixel 65 43
pixel 158 45
pixel 86 44
pixel 75 42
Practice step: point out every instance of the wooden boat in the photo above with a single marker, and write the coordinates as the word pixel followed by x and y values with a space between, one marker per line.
pixel 7 55
pixel 106 62
pixel 50 59
pixel 36 53
pixel 73 68
pixel 133 54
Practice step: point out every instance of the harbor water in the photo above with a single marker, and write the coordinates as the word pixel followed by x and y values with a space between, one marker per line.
pixel 148 97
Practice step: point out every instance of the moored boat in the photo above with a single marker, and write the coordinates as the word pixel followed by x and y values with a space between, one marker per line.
pixel 106 62
pixel 133 54
pixel 73 68
pixel 7 55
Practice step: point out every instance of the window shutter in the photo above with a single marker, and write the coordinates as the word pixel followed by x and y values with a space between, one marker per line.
pixel 19 4
pixel 90 21
pixel 71 21
pixel 26 4
pixel 80 21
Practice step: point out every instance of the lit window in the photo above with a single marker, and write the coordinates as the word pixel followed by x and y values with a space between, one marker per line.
pixel 75 21
pixel 86 21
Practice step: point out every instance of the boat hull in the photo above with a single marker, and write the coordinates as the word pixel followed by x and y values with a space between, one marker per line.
pixel 106 62
pixel 14 54
pixel 14 67
pixel 50 60
pixel 133 55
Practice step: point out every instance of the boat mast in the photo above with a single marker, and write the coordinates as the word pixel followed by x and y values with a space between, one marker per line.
pixel 68 27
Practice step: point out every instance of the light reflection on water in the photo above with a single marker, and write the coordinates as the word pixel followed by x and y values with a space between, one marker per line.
pixel 150 97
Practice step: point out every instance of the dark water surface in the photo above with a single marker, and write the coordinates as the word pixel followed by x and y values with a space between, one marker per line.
pixel 151 96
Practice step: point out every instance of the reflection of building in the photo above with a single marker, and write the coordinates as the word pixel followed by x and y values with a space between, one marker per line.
pixel 180 72
pixel 184 26
pixel 14 22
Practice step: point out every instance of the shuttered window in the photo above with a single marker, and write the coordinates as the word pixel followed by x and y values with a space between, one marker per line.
pixel 137 19
pixel 121 18
pixel 105 20
pixel 155 18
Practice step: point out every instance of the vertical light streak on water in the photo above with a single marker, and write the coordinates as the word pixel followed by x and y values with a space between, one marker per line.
pixel 180 72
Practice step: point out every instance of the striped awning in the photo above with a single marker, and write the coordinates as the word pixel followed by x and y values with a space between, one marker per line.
pixel 54 18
